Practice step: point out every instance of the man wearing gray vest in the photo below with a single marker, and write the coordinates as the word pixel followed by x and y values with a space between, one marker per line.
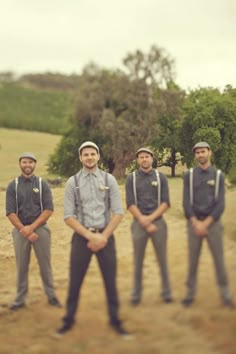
pixel 28 207
pixel 147 199
pixel 203 203
pixel 93 210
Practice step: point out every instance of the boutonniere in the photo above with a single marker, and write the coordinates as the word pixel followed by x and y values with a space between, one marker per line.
pixel 154 183
pixel 211 182
pixel 36 190
pixel 102 187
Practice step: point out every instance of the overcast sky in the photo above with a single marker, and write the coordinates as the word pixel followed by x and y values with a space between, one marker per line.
pixel 64 35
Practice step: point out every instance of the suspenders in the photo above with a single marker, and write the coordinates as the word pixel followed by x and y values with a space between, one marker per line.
pixel 217 185
pixel 158 186
pixel 78 198
pixel 40 193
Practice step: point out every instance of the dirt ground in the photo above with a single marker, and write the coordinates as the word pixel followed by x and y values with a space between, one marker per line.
pixel 207 327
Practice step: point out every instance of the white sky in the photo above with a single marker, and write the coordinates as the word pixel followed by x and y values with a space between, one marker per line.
pixel 65 35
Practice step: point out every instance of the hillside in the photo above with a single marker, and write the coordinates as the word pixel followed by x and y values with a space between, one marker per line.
pixel 34 109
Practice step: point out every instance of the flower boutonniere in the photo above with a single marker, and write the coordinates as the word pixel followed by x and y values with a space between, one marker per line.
pixel 103 188
pixel 211 182
pixel 154 183
pixel 36 190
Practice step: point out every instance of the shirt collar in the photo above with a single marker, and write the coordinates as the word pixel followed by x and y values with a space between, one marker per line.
pixel 85 173
pixel 29 179
pixel 142 173
pixel 207 170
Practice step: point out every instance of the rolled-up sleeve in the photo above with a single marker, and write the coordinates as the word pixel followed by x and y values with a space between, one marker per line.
pixel 188 210
pixel 220 201
pixel 47 196
pixel 10 199
pixel 165 196
pixel 69 199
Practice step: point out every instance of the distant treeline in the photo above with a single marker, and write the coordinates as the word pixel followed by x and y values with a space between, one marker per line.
pixel 25 105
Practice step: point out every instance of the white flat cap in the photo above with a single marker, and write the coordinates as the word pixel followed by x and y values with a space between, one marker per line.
pixel 29 155
pixel 88 144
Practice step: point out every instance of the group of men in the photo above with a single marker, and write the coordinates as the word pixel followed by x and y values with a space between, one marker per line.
pixel 93 210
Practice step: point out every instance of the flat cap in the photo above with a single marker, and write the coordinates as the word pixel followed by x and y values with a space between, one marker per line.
pixel 29 155
pixel 144 149
pixel 88 144
pixel 201 144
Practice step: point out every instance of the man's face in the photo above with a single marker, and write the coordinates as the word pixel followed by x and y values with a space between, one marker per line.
pixel 89 158
pixel 27 166
pixel 202 155
pixel 145 161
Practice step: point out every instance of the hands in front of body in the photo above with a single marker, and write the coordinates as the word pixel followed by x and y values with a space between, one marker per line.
pixel 199 227
pixel 97 241
pixel 28 233
pixel 147 224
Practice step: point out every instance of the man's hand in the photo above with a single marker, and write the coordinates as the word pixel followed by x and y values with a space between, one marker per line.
pixel 97 242
pixel 151 228
pixel 33 237
pixel 26 230
pixel 144 220
pixel 199 228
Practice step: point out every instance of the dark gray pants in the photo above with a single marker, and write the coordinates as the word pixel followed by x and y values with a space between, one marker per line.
pixel 42 252
pixel 80 258
pixel 215 243
pixel 159 240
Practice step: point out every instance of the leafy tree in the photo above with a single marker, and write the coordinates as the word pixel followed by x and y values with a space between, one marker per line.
pixel 210 116
pixel 167 142
pixel 118 110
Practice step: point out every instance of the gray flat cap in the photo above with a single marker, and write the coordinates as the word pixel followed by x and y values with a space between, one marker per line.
pixel 88 144
pixel 201 144
pixel 29 155
pixel 144 149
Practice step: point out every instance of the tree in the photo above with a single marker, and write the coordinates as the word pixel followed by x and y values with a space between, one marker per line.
pixel 118 111
pixel 210 116
pixel 155 67
pixel 167 142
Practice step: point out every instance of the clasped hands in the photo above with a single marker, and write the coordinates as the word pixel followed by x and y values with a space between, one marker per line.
pixel 27 232
pixel 199 227
pixel 96 241
pixel 147 224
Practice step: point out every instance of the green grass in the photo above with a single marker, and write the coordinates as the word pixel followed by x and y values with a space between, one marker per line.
pixel 14 142
pixel 35 110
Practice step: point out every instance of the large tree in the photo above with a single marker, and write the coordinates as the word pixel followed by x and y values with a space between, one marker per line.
pixel 118 110
pixel 211 116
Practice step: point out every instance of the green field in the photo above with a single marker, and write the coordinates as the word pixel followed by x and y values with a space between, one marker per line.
pixel 14 142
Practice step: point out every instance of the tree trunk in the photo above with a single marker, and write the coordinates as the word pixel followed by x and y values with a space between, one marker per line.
pixel 120 166
pixel 173 162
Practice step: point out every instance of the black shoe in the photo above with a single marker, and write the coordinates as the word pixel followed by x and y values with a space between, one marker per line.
pixel 63 329
pixel 168 300
pixel 120 330
pixel 229 303
pixel 15 307
pixel 54 302
pixel 187 302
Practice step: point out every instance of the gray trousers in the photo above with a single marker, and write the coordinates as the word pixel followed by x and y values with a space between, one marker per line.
pixel 41 248
pixel 159 240
pixel 215 243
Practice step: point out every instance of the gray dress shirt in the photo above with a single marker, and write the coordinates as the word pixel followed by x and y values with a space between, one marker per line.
pixel 90 209
pixel 147 191
pixel 204 202
pixel 28 197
